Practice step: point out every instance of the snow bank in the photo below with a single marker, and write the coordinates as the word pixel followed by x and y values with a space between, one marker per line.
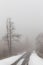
pixel 10 60
pixel 35 59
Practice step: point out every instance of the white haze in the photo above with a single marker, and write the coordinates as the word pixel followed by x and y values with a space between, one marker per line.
pixel 26 14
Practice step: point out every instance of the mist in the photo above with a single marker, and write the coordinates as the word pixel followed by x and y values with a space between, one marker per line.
pixel 26 14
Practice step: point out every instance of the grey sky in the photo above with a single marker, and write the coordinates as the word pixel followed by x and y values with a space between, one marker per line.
pixel 26 14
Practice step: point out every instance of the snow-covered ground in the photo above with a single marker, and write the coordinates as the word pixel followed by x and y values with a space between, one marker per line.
pixel 10 60
pixel 34 60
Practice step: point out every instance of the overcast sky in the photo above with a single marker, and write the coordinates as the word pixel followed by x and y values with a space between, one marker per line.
pixel 26 14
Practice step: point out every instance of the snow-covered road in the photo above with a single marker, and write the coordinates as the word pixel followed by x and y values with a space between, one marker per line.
pixel 34 60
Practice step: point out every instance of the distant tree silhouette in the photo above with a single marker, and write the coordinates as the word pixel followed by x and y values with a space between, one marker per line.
pixel 11 35
pixel 39 45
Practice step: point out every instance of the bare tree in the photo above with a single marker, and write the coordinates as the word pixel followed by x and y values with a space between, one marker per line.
pixel 39 45
pixel 11 35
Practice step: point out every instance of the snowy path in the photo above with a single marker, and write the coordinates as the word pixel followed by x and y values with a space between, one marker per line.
pixel 34 60
pixel 24 59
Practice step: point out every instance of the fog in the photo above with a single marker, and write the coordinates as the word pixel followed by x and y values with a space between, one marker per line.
pixel 26 14
pixel 21 26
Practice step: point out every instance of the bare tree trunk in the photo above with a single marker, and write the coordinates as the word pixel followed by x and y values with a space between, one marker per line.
pixel 10 39
pixel 7 36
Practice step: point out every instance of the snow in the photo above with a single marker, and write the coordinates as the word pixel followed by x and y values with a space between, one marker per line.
pixel 35 59
pixel 10 60
pixel 20 62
